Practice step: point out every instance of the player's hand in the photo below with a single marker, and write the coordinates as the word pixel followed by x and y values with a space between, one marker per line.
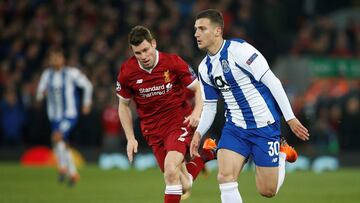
pixel 132 147
pixel 192 120
pixel 194 146
pixel 86 109
pixel 298 129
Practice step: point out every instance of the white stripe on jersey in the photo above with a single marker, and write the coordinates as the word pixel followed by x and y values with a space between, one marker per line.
pixel 234 73
pixel 60 90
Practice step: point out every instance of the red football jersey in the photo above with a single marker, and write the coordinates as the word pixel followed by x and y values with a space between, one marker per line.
pixel 158 93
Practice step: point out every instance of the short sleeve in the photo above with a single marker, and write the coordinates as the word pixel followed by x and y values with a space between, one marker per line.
pixel 122 89
pixel 209 92
pixel 184 71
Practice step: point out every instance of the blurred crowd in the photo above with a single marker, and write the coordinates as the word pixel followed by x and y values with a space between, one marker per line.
pixel 94 37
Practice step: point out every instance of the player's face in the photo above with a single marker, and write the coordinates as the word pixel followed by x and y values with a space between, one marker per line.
pixel 145 53
pixel 57 60
pixel 205 33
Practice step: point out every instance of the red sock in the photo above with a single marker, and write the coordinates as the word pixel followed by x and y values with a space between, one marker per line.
pixel 195 166
pixel 172 198
pixel 173 193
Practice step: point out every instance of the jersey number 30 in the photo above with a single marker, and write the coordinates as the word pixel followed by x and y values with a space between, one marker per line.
pixel 273 148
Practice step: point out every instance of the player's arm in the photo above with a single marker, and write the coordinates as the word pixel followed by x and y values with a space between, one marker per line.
pixel 210 96
pixel 194 118
pixel 126 120
pixel 40 92
pixel 277 90
pixel 255 64
pixel 83 82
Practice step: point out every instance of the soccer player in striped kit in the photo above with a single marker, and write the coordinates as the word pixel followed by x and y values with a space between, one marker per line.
pixel 58 84
pixel 254 102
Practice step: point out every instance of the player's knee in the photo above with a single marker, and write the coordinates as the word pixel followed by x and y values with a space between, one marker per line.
pixel 268 192
pixel 171 174
pixel 225 177
pixel 57 136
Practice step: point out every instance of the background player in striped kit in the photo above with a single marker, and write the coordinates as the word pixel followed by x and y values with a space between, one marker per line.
pixel 58 84
pixel 254 101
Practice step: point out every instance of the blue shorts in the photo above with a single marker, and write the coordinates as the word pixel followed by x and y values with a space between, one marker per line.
pixel 64 126
pixel 261 143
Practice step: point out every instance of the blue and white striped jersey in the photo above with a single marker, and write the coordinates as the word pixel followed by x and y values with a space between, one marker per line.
pixel 234 74
pixel 59 87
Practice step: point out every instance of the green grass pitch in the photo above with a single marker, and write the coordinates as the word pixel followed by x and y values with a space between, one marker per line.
pixel 39 185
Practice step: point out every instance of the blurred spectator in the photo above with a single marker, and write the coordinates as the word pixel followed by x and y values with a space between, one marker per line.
pixel 94 36
pixel 350 129
pixel 12 118
pixel 113 139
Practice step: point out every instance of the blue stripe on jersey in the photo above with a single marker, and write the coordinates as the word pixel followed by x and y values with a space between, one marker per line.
pixel 265 93
pixel 209 69
pixel 63 91
pixel 211 93
pixel 236 91
pixel 238 40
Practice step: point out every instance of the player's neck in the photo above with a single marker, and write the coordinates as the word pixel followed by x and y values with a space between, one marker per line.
pixel 215 48
pixel 58 68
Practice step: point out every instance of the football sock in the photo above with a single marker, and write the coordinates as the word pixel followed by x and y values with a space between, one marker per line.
pixel 60 151
pixel 195 166
pixel 281 170
pixel 71 163
pixel 173 193
pixel 208 155
pixel 230 193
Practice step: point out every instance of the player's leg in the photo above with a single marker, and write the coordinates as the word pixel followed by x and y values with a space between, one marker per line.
pixel 65 126
pixel 270 163
pixel 172 192
pixel 266 180
pixel 172 168
pixel 232 152
pixel 72 170
pixel 270 179
pixel 186 180
pixel 230 164
pixel 59 148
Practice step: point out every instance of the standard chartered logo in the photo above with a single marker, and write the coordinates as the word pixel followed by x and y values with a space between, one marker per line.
pixel 155 90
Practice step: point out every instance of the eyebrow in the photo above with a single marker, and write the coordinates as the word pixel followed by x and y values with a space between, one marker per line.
pixel 142 50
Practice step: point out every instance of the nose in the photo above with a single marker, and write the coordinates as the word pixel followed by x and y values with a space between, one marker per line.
pixel 143 56
pixel 196 34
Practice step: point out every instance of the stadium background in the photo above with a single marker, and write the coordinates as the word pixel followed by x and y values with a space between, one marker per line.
pixel 313 46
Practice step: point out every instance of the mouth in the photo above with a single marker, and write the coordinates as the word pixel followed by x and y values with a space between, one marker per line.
pixel 146 63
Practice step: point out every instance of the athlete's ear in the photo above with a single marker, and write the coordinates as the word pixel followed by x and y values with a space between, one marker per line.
pixel 218 31
pixel 153 43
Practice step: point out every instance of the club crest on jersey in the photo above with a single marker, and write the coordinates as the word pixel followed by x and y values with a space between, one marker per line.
pixel 167 76
pixel 225 66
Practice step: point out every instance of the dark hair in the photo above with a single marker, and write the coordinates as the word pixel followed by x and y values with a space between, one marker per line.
pixel 56 50
pixel 213 15
pixel 138 34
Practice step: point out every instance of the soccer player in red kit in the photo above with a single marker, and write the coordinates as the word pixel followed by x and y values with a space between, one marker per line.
pixel 156 82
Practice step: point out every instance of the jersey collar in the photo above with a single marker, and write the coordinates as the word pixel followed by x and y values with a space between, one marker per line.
pixel 217 53
pixel 156 62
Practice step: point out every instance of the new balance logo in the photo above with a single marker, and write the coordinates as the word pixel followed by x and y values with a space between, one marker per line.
pixel 274 160
pixel 139 81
